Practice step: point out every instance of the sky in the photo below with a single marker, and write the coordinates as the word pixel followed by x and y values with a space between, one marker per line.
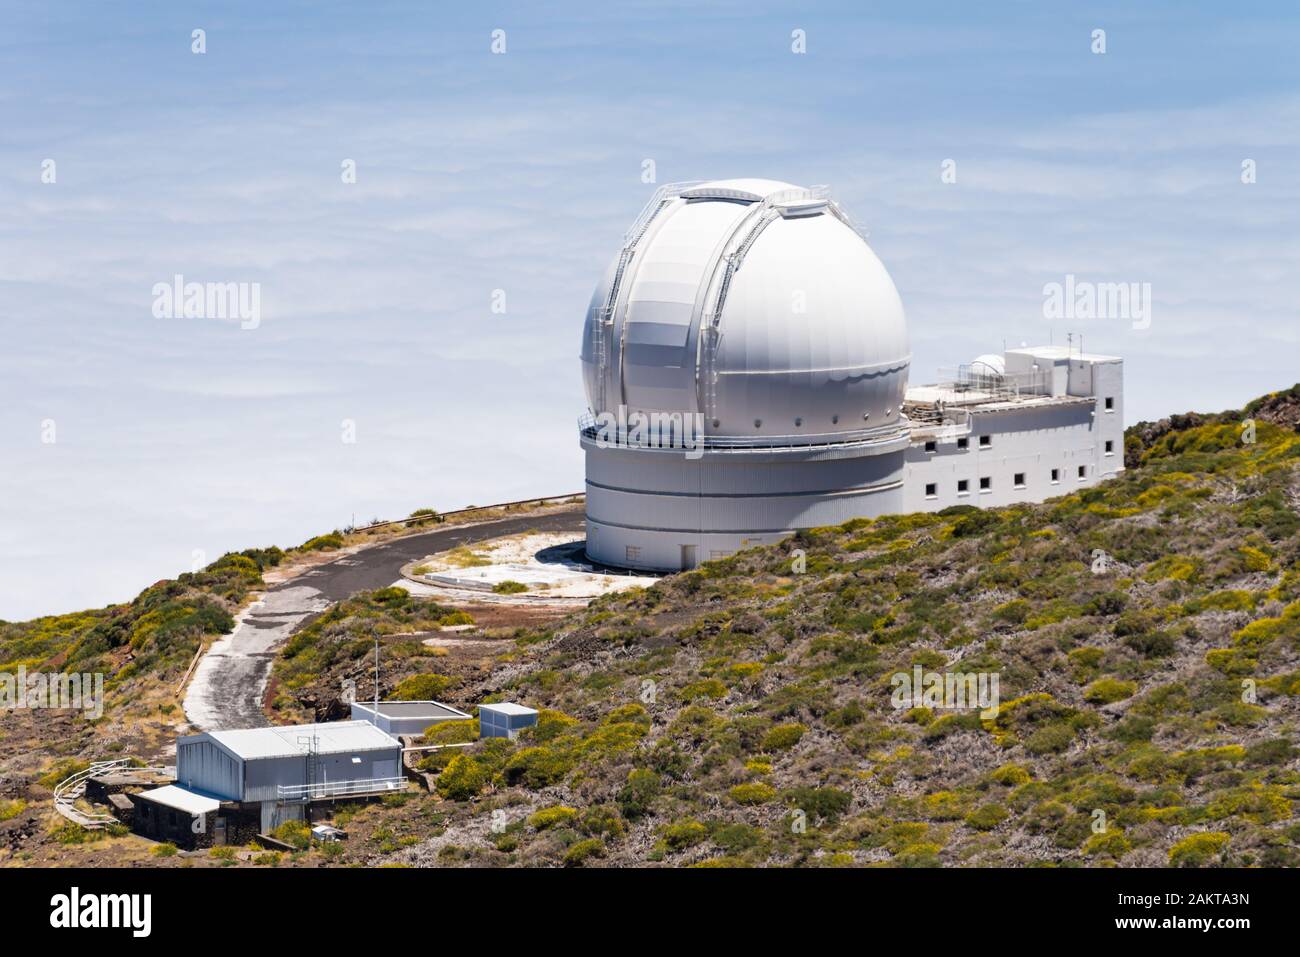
pixel 419 327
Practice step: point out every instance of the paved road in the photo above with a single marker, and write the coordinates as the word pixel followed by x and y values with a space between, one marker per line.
pixel 230 681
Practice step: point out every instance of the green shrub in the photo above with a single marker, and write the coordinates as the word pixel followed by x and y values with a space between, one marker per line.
pixel 1011 775
pixel 1109 690
pixel 323 543
pixel 509 587
pixel 782 737
pixel 539 767
pixel 462 778
pixel 1111 843
pixel 425 687
pixel 708 688
pixel 755 792
pixel 986 817
pixel 11 808
pixel 582 851
pixel 166 849
pixel 819 803
pixel 683 834
pixel 452 732
pixel 557 816
pixel 737 837
pixel 295 833
pixel 638 793
pixel 1051 738
pixel 1197 850
pixel 603 820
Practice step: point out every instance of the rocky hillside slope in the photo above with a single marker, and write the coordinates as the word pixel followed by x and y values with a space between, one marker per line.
pixel 1144 636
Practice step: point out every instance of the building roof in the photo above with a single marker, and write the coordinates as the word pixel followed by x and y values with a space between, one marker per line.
pixel 1060 353
pixel 410 709
pixel 333 737
pixel 507 707
pixel 182 799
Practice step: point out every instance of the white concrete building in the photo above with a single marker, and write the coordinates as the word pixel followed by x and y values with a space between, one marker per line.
pixel 746 364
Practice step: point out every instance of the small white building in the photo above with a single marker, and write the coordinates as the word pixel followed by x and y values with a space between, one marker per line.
pixel 407 717
pixel 504 719
pixel 746 362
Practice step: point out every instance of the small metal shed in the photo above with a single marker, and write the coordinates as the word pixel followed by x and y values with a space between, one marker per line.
pixel 407 717
pixel 285 767
pixel 504 719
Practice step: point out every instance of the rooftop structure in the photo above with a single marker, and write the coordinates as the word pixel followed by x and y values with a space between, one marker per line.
pixel 504 719
pixel 407 717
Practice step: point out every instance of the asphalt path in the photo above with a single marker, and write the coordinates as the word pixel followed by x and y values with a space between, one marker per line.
pixel 230 681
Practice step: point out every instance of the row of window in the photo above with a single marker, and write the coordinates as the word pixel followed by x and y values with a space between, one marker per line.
pixel 986 441
pixel 986 482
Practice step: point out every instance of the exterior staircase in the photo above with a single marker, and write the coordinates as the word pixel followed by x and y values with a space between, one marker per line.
pixel 72 788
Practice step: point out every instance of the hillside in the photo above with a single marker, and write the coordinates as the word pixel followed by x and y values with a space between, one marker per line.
pixel 1145 634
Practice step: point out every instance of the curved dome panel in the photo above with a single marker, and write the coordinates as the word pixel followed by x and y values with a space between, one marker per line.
pixel 813 336
pixel 657 349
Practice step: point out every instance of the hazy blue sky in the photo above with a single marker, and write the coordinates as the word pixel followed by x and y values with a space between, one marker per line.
pixel 520 172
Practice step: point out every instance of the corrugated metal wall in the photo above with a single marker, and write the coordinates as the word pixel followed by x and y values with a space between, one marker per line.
pixel 202 765
pixel 265 775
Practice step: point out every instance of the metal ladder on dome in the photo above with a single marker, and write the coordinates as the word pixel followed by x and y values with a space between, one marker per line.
pixel 759 217
pixel 602 329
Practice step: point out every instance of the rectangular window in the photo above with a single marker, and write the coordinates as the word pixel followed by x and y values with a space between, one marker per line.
pixel 931 490
pixel 986 441
pixel 963 443
pixel 1110 447
pixel 1020 480
pixel 1110 403
pixel 1056 476
pixel 633 553
pixel 1083 471
pixel 931 446
pixel 963 486
pixel 986 483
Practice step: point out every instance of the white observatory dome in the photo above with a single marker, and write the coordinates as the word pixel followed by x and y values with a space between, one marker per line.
pixel 759 305
pixel 989 366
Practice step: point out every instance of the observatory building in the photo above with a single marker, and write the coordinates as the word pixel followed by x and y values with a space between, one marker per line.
pixel 746 365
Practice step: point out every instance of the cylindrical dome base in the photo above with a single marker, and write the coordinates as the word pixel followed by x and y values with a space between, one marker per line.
pixel 664 510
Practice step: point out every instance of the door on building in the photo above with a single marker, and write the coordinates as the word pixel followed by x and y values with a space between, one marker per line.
pixel 688 557
pixel 219 832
